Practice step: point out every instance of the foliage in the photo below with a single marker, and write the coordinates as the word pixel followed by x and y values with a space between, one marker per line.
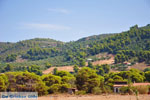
pixel 3 82
pixel 96 90
pixel 63 73
pixel 11 58
pixel 35 69
pixel 8 68
pixel 75 68
pixel 147 76
pixel 25 81
pixel 87 79
pixel 146 69
pixel 102 69
pixel 81 92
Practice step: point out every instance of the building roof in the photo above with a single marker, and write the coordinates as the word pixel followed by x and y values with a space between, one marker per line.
pixel 120 85
pixel 134 84
pixel 138 84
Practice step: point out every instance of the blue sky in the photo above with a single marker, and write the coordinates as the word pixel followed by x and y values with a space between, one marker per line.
pixel 68 20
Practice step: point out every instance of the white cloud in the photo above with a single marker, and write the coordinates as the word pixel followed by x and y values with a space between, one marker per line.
pixel 59 10
pixel 39 26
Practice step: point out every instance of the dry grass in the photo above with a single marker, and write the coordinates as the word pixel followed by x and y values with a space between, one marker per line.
pixel 70 68
pixel 61 68
pixel 109 61
pixel 94 97
pixel 140 66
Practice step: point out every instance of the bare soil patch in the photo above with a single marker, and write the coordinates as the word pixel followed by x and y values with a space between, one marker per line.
pixel 107 61
pixel 61 68
pixel 95 97
pixel 140 66
pixel 70 68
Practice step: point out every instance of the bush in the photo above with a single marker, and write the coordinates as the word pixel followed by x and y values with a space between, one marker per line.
pixel 80 92
pixel 55 88
pixel 107 89
pixel 96 90
pixel 124 89
pixel 64 88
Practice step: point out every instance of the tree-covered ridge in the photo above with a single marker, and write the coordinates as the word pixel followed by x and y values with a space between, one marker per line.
pixel 22 46
pixel 125 45
pixel 129 45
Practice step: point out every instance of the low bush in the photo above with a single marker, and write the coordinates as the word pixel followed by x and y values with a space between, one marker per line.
pixel 80 92
pixel 96 90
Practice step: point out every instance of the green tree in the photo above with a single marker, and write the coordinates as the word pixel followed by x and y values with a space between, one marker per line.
pixel 48 65
pixel 101 71
pixel 35 69
pixel 147 76
pixel 146 69
pixel 8 68
pixel 55 70
pixel 63 73
pixel 90 65
pixel 3 84
pixel 87 79
pixel 25 81
pixel 75 68
pixel 11 58
pixel 51 79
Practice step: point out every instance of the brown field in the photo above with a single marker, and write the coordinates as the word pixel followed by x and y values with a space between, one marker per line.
pixel 109 61
pixel 94 97
pixel 140 66
pixel 61 68
pixel 70 68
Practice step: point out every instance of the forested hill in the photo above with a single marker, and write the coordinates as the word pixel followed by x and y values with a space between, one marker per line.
pixel 8 48
pixel 132 45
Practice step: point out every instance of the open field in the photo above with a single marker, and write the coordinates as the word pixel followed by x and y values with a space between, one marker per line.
pixel 94 97
pixel 70 68
pixel 140 66
pixel 61 68
pixel 100 62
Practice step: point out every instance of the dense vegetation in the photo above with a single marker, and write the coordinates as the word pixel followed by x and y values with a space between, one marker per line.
pixel 96 80
pixel 132 46
pixel 22 63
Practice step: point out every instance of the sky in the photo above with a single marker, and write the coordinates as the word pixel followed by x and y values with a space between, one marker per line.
pixel 69 20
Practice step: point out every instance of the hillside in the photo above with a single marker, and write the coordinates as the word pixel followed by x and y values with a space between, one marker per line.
pixel 22 46
pixel 132 46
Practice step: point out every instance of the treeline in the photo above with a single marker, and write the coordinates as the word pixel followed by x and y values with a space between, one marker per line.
pixel 92 79
pixel 32 68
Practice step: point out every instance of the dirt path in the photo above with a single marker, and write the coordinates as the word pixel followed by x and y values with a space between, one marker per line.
pixel 96 97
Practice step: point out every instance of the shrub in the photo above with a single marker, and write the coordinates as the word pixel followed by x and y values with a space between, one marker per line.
pixel 124 89
pixel 64 88
pixel 107 89
pixel 80 92
pixel 55 88
pixel 96 90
